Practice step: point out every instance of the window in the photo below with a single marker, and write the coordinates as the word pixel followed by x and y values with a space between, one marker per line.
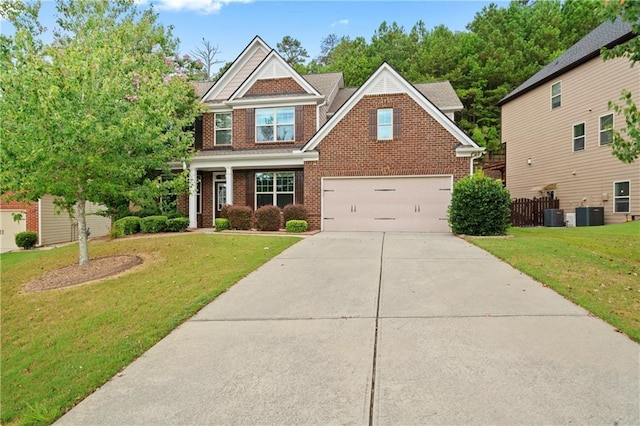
pixel 275 124
pixel 223 126
pixel 385 124
pixel 222 195
pixel 274 188
pixel 578 137
pixel 199 196
pixel 556 95
pixel 606 129
pixel 621 199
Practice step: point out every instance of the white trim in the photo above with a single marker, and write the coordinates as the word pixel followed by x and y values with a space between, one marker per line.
pixel 627 196
pixel 613 123
pixel 215 128
pixel 378 124
pixel 273 59
pixel 274 126
pixel 389 78
pixel 275 191
pixel 193 215
pixel 288 159
pixel 584 136
pixel 265 102
pixel 552 96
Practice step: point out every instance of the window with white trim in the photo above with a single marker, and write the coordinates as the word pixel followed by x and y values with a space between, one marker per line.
pixel 223 123
pixel 275 124
pixel 578 137
pixel 275 188
pixel 621 197
pixel 199 196
pixel 606 129
pixel 556 95
pixel 385 124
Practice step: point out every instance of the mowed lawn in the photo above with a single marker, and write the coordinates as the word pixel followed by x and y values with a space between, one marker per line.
pixel 58 346
pixel 597 267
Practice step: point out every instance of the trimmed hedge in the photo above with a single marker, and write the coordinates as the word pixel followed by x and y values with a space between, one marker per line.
pixel 177 224
pixel 479 206
pixel 295 212
pixel 224 211
pixel 240 217
pixel 268 218
pixel 297 226
pixel 153 224
pixel 26 240
pixel 128 225
pixel 221 223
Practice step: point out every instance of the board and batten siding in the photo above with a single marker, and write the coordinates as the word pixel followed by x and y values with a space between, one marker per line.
pixel 59 228
pixel 532 130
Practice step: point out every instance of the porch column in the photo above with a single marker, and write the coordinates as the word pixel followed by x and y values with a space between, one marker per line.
pixel 193 197
pixel 229 184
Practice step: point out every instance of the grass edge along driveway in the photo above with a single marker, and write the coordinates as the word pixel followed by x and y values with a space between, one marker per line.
pixel 58 346
pixel 596 267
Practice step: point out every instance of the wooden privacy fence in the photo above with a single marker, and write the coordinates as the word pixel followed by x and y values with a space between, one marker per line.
pixel 530 212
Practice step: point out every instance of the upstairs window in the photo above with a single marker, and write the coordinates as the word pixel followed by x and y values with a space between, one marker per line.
pixel 385 124
pixel 556 95
pixel 621 197
pixel 578 137
pixel 606 129
pixel 223 126
pixel 275 124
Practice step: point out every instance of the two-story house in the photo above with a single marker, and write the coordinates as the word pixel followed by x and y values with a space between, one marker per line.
pixel 382 156
pixel 557 128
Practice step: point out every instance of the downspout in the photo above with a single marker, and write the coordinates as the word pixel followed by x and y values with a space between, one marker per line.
pixel 318 113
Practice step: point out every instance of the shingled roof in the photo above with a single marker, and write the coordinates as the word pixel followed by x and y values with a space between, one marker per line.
pixel 608 34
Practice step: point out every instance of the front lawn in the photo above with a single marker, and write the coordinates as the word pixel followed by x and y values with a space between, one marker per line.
pixel 597 267
pixel 58 346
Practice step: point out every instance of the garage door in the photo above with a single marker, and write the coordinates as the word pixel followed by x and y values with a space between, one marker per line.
pixel 411 204
pixel 9 228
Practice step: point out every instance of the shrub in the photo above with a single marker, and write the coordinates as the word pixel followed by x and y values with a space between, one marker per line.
pixel 148 211
pixel 116 232
pixel 153 224
pixel 268 218
pixel 26 240
pixel 240 217
pixel 297 226
pixel 127 225
pixel 295 212
pixel 479 206
pixel 177 224
pixel 174 214
pixel 222 223
pixel 224 211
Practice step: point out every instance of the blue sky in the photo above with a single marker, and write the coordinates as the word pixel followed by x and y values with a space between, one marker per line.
pixel 232 24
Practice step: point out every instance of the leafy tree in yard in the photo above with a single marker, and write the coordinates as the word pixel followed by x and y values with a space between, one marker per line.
pixel 626 149
pixel 92 114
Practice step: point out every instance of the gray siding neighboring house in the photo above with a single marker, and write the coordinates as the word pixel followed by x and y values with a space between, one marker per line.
pixel 555 128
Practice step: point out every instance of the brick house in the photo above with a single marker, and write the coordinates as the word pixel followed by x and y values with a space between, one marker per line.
pixel 379 157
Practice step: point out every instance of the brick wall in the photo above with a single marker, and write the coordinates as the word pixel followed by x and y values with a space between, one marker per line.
pixel 207 130
pixel 240 187
pixel 423 148
pixel 31 212
pixel 275 86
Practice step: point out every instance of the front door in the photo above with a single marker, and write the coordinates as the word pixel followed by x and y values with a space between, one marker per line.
pixel 220 198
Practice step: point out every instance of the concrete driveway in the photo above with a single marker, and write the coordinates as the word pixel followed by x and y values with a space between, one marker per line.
pixel 373 328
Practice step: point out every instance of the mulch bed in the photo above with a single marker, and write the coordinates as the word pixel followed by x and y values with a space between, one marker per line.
pixel 101 267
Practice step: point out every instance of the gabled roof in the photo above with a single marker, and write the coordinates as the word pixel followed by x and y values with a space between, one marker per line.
pixel 385 80
pixel 202 87
pixel 324 83
pixel 607 35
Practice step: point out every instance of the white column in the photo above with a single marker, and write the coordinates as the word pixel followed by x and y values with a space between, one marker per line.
pixel 229 184
pixel 193 197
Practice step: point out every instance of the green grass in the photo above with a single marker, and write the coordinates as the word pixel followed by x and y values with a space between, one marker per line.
pixel 60 345
pixel 597 267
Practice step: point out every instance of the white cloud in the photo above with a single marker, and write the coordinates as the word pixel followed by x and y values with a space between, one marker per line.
pixel 340 22
pixel 201 6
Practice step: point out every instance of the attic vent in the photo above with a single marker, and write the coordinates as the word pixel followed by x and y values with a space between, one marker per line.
pixel 384 84
pixel 274 70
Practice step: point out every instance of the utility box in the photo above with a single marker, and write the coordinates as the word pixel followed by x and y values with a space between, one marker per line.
pixel 553 217
pixel 571 220
pixel 589 216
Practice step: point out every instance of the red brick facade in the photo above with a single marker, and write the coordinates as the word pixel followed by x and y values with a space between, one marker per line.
pixel 278 86
pixel 424 148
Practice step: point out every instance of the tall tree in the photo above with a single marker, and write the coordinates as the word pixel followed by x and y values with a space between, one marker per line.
pixel 91 114
pixel 292 51
pixel 206 54
pixel 327 44
pixel 626 148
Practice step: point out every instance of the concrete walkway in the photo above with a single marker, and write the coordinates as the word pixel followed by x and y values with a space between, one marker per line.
pixel 373 328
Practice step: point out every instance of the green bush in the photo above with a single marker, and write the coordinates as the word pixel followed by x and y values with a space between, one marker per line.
pixel 175 214
pixel 297 226
pixel 153 224
pixel 479 206
pixel 26 240
pixel 222 223
pixel 240 217
pixel 127 225
pixel 224 211
pixel 268 218
pixel 116 233
pixel 177 224
pixel 295 212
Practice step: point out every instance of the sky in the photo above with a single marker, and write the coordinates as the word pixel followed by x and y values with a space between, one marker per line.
pixel 232 24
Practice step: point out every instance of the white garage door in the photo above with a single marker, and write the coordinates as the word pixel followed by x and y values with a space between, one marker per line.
pixel 9 228
pixel 411 204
